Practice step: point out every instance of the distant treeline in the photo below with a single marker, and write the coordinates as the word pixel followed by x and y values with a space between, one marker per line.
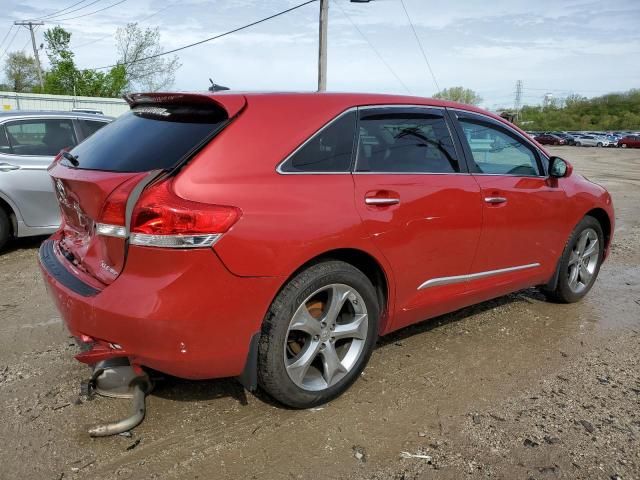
pixel 614 111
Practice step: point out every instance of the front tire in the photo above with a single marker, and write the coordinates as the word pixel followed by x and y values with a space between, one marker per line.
pixel 599 145
pixel 318 335
pixel 580 262
pixel 624 145
pixel 5 228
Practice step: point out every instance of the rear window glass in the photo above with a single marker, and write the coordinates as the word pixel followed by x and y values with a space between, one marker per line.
pixel 149 137
pixel 328 151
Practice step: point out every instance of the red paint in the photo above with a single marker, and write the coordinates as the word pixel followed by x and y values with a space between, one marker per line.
pixel 191 313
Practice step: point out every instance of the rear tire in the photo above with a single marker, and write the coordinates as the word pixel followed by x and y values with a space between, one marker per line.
pixel 5 228
pixel 318 335
pixel 578 144
pixel 580 262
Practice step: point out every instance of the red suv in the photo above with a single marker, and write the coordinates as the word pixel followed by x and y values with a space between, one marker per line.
pixel 274 237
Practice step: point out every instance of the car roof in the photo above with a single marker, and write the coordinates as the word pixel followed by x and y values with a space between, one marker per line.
pixel 51 113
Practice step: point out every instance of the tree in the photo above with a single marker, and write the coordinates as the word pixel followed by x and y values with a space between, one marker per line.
pixel 459 94
pixel 21 72
pixel 142 73
pixel 65 78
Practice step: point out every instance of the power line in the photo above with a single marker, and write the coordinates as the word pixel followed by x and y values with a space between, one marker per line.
pixel 6 36
pixel 139 20
pixel 63 20
pixel 53 16
pixel 210 38
pixel 10 43
pixel 372 47
pixel 62 10
pixel 424 55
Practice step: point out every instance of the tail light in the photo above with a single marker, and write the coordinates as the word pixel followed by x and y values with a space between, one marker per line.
pixel 113 216
pixel 162 219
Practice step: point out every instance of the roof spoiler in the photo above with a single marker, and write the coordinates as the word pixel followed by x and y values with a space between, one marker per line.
pixel 232 104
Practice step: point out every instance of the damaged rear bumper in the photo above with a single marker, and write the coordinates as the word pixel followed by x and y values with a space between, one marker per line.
pixel 178 312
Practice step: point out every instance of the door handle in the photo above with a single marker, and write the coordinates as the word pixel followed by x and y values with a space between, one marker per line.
pixel 381 201
pixel 7 167
pixel 495 200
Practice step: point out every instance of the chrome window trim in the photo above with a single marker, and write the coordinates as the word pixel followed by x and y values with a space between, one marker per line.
pixel 311 137
pixel 326 125
pixel 36 118
pixel 405 106
pixel 439 281
pixel 411 173
pixel 527 141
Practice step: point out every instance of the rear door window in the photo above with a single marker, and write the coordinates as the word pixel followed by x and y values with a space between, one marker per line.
pixel 89 127
pixel 150 137
pixel 411 140
pixel 42 137
pixel 328 151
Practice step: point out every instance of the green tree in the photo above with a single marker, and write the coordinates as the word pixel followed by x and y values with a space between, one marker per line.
pixel 144 71
pixel 459 94
pixel 65 78
pixel 614 111
pixel 21 72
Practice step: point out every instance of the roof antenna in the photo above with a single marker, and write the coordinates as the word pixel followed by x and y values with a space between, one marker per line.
pixel 216 88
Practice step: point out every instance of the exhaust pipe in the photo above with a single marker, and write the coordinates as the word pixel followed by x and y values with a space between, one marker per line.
pixel 137 415
pixel 117 378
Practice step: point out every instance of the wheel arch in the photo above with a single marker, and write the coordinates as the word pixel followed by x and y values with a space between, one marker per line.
pixel 8 209
pixel 363 261
pixel 605 222
pixel 360 259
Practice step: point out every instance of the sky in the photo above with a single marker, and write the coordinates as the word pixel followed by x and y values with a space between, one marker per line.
pixel 559 47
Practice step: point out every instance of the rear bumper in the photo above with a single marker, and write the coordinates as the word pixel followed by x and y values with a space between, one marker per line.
pixel 180 312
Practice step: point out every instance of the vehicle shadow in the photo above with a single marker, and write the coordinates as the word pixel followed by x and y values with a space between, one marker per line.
pixel 25 243
pixel 172 388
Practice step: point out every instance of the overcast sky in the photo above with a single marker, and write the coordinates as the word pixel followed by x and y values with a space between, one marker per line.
pixel 575 46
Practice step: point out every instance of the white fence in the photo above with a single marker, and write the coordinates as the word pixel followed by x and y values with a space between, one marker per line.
pixel 34 101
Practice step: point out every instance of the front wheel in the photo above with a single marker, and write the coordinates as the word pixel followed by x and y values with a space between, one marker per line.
pixel 580 262
pixel 318 335
pixel 599 144
pixel 624 145
pixel 577 144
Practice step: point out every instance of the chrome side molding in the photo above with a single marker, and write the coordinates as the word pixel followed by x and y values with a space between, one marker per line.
pixel 436 282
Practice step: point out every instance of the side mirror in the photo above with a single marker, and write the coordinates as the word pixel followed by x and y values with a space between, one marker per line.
pixel 559 168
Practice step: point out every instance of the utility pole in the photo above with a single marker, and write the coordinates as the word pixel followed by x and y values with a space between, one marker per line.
pixel 518 103
pixel 322 46
pixel 35 50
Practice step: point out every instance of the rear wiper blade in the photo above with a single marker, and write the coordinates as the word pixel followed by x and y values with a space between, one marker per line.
pixel 72 158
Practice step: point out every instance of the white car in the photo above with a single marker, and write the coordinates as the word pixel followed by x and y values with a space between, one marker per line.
pixel 591 141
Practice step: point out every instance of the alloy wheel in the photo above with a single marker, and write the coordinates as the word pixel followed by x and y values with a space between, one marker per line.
pixel 326 337
pixel 583 260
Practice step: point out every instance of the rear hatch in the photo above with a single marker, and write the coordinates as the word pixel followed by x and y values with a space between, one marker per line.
pixel 99 181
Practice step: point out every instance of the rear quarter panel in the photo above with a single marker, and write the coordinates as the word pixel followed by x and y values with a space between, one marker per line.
pixel 286 219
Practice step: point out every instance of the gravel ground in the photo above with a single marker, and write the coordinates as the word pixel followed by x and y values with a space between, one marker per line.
pixel 512 388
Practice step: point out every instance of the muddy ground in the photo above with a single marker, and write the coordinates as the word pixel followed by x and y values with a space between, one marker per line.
pixel 515 388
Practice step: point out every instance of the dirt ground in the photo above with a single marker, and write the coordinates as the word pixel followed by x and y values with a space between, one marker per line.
pixel 515 388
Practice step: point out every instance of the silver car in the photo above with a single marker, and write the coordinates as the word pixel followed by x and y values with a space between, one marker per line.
pixel 591 141
pixel 29 141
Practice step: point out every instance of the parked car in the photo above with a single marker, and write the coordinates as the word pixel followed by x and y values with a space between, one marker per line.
pixel 28 143
pixel 591 141
pixel 569 140
pixel 549 139
pixel 630 141
pixel 224 234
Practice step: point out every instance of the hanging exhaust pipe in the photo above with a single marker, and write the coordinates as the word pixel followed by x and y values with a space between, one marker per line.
pixel 138 408
pixel 117 378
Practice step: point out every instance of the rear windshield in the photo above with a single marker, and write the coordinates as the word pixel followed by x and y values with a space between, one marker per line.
pixel 149 137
